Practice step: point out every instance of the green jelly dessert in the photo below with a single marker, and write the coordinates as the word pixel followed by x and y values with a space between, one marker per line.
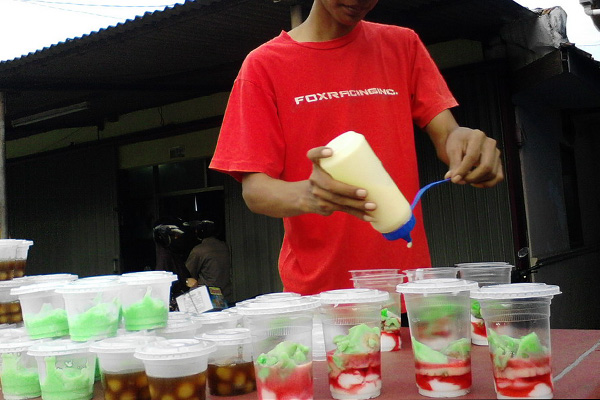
pixel 359 340
pixel 49 322
pixel 17 379
pixel 476 309
pixel 285 356
pixel 504 347
pixel 390 320
pixel 459 349
pixel 101 320
pixel 148 313
pixel 67 383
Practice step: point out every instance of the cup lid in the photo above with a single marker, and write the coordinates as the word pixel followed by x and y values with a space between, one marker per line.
pixel 49 278
pixel 380 278
pixel 18 344
pixel 38 287
pixel 77 286
pixel 175 349
pixel 437 285
pixel 11 333
pixel 483 264
pixel 356 295
pixel 228 336
pixel 384 271
pixel 148 277
pixel 277 295
pixel 294 304
pixel 10 284
pixel 215 317
pixel 515 291
pixel 179 324
pixel 58 347
pixel 121 344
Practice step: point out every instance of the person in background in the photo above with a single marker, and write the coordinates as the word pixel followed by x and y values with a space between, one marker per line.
pixel 333 73
pixel 209 262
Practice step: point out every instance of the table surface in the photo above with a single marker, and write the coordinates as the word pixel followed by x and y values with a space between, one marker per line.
pixel 575 366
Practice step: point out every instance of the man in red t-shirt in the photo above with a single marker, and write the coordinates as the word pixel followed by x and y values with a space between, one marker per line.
pixel 331 74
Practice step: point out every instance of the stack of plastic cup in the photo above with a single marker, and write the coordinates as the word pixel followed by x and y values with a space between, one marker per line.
pixel 124 375
pixel 8 257
pixel 19 371
pixel 176 368
pixel 391 311
pixel 282 346
pixel 517 317
pixel 485 274
pixel 44 312
pixel 10 307
pixel 66 369
pixel 21 257
pixel 352 327
pixel 93 308
pixel 230 368
pixel 211 321
pixel 145 299
pixel 357 273
pixel 438 315
pixel 431 273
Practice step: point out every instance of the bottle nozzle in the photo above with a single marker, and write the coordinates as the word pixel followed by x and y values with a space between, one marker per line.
pixel 403 232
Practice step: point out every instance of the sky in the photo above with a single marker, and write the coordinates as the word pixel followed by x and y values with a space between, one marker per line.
pixel 30 25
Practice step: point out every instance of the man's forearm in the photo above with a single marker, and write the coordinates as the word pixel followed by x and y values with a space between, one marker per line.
pixel 274 197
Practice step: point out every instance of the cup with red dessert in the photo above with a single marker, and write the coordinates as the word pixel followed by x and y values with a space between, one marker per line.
pixel 517 318
pixel 438 316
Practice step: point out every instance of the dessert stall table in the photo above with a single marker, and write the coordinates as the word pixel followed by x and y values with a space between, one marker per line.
pixel 575 365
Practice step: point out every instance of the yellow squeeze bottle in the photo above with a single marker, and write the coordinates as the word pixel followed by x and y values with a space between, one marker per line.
pixel 354 162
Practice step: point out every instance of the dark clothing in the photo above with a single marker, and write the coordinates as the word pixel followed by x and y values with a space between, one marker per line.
pixel 168 260
pixel 210 263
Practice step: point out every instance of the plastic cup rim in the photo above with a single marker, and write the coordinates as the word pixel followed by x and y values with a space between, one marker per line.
pixel 353 296
pixel 437 285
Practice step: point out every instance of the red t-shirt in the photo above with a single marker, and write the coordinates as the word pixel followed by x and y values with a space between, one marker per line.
pixel 291 96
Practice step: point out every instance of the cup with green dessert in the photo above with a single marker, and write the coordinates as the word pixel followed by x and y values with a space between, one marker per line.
pixel 18 370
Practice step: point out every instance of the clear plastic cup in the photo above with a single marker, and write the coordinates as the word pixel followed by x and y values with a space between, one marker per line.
pixel 230 368
pixel 517 318
pixel 277 296
pixel 485 274
pixel 438 316
pixel 391 311
pixel 282 346
pixel 18 370
pixel 66 369
pixel 44 278
pixel 356 273
pixel 21 257
pixel 176 368
pixel 211 321
pixel 431 273
pixel 352 327
pixel 8 257
pixel 145 299
pixel 44 312
pixel 124 375
pixel 179 326
pixel 10 306
pixel 93 308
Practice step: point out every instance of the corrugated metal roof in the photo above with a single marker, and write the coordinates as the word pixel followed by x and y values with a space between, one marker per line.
pixel 196 48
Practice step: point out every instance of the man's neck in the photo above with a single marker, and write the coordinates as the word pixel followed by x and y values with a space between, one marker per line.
pixel 319 26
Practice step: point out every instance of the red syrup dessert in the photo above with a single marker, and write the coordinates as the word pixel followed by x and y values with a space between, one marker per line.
pixel 355 365
pixel 284 373
pixel 390 331
pixel 521 367
pixel 445 373
pixel 478 333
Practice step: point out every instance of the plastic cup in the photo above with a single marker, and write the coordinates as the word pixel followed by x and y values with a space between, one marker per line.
pixel 281 334
pixel 391 311
pixel 8 257
pixel 66 369
pixel 438 317
pixel 485 274
pixel 10 306
pixel 44 278
pixel 277 296
pixel 124 375
pixel 18 370
pixel 44 312
pixel 176 368
pixel 431 273
pixel 145 299
pixel 352 327
pixel 211 321
pixel 21 257
pixel 93 308
pixel 517 318
pixel 179 326
pixel 230 368
pixel 383 271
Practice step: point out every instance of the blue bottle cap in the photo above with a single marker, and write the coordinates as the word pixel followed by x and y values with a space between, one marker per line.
pixel 403 232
